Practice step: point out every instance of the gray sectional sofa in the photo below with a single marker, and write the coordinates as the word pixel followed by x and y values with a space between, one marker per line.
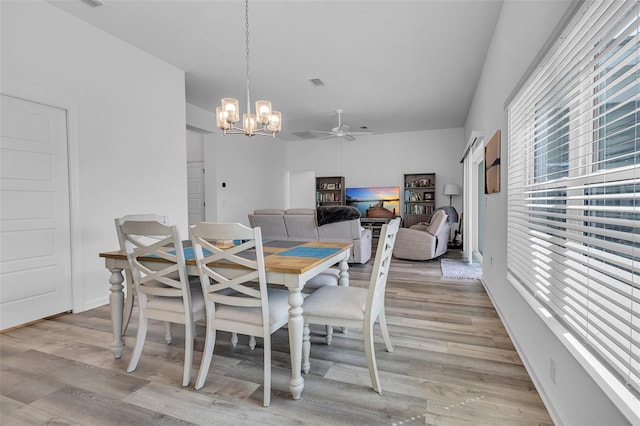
pixel 301 225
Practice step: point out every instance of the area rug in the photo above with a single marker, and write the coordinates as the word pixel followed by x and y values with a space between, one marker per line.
pixel 460 269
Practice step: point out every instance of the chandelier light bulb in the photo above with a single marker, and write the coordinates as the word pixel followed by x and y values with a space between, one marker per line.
pixel 221 119
pixel 249 124
pixel 263 111
pixel 275 122
pixel 230 106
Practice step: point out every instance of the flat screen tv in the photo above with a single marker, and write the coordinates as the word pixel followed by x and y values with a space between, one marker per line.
pixel 374 200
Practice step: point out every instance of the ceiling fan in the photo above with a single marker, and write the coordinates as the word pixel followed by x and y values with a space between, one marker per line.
pixel 341 131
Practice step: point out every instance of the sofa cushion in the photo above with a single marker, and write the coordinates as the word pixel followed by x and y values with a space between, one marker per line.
pixel 422 226
pixel 327 277
pixel 301 227
pixel 272 225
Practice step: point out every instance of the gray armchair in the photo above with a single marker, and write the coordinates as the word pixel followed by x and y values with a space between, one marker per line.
pixel 424 241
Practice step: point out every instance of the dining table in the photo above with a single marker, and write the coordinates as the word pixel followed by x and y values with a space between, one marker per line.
pixel 287 263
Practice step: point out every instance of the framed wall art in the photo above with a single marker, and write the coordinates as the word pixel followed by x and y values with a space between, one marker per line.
pixel 492 164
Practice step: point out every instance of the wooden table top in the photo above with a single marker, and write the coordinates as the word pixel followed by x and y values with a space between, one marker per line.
pixel 273 261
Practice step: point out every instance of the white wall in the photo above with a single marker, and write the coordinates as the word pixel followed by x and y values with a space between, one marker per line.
pixel 574 399
pixel 127 128
pixel 302 190
pixel 200 119
pixel 382 160
pixel 252 170
pixel 195 146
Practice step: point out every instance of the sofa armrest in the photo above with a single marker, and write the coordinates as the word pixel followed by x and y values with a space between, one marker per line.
pixel 361 250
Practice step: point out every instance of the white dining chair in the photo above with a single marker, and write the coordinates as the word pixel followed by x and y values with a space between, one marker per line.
pixel 163 289
pixel 228 275
pixel 130 294
pixel 354 306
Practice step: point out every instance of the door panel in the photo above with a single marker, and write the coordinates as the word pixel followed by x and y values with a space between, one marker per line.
pixel 35 252
pixel 195 188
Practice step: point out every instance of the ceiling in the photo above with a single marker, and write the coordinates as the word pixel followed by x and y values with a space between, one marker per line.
pixel 392 66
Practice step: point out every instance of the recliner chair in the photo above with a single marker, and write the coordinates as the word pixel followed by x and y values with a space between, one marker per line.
pixel 424 241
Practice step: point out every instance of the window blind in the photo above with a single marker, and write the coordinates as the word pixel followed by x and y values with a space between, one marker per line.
pixel 574 185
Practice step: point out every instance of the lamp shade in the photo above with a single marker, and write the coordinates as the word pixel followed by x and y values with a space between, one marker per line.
pixel 451 189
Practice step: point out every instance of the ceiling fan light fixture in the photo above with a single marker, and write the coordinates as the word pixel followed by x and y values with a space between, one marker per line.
pixel 229 113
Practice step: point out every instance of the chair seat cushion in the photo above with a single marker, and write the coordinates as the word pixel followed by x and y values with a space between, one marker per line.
pixel 337 302
pixel 278 309
pixel 329 276
pixel 175 304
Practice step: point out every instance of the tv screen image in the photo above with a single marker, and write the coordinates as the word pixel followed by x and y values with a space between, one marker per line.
pixel 375 201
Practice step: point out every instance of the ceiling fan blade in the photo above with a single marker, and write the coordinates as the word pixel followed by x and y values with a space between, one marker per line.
pixel 324 132
pixel 331 136
pixel 349 137
pixel 360 133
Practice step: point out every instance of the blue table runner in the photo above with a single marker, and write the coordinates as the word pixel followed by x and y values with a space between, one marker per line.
pixel 318 252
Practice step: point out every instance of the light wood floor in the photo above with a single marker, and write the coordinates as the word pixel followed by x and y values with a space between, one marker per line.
pixel 453 364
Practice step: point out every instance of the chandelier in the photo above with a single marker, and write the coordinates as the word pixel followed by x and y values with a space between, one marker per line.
pixel 264 122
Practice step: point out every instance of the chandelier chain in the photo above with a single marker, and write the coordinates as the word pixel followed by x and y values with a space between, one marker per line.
pixel 246 19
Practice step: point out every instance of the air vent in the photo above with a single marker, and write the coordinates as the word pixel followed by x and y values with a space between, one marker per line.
pixel 92 3
pixel 305 135
pixel 316 82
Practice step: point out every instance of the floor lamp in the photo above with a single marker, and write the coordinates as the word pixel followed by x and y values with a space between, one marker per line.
pixel 451 189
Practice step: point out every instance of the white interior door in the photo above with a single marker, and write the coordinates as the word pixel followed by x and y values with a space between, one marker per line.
pixel 474 199
pixel 195 184
pixel 35 248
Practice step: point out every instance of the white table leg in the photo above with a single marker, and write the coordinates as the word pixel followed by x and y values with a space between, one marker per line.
pixel 116 301
pixel 296 383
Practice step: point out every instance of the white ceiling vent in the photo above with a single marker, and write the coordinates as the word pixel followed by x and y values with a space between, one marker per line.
pixel 93 3
pixel 305 135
